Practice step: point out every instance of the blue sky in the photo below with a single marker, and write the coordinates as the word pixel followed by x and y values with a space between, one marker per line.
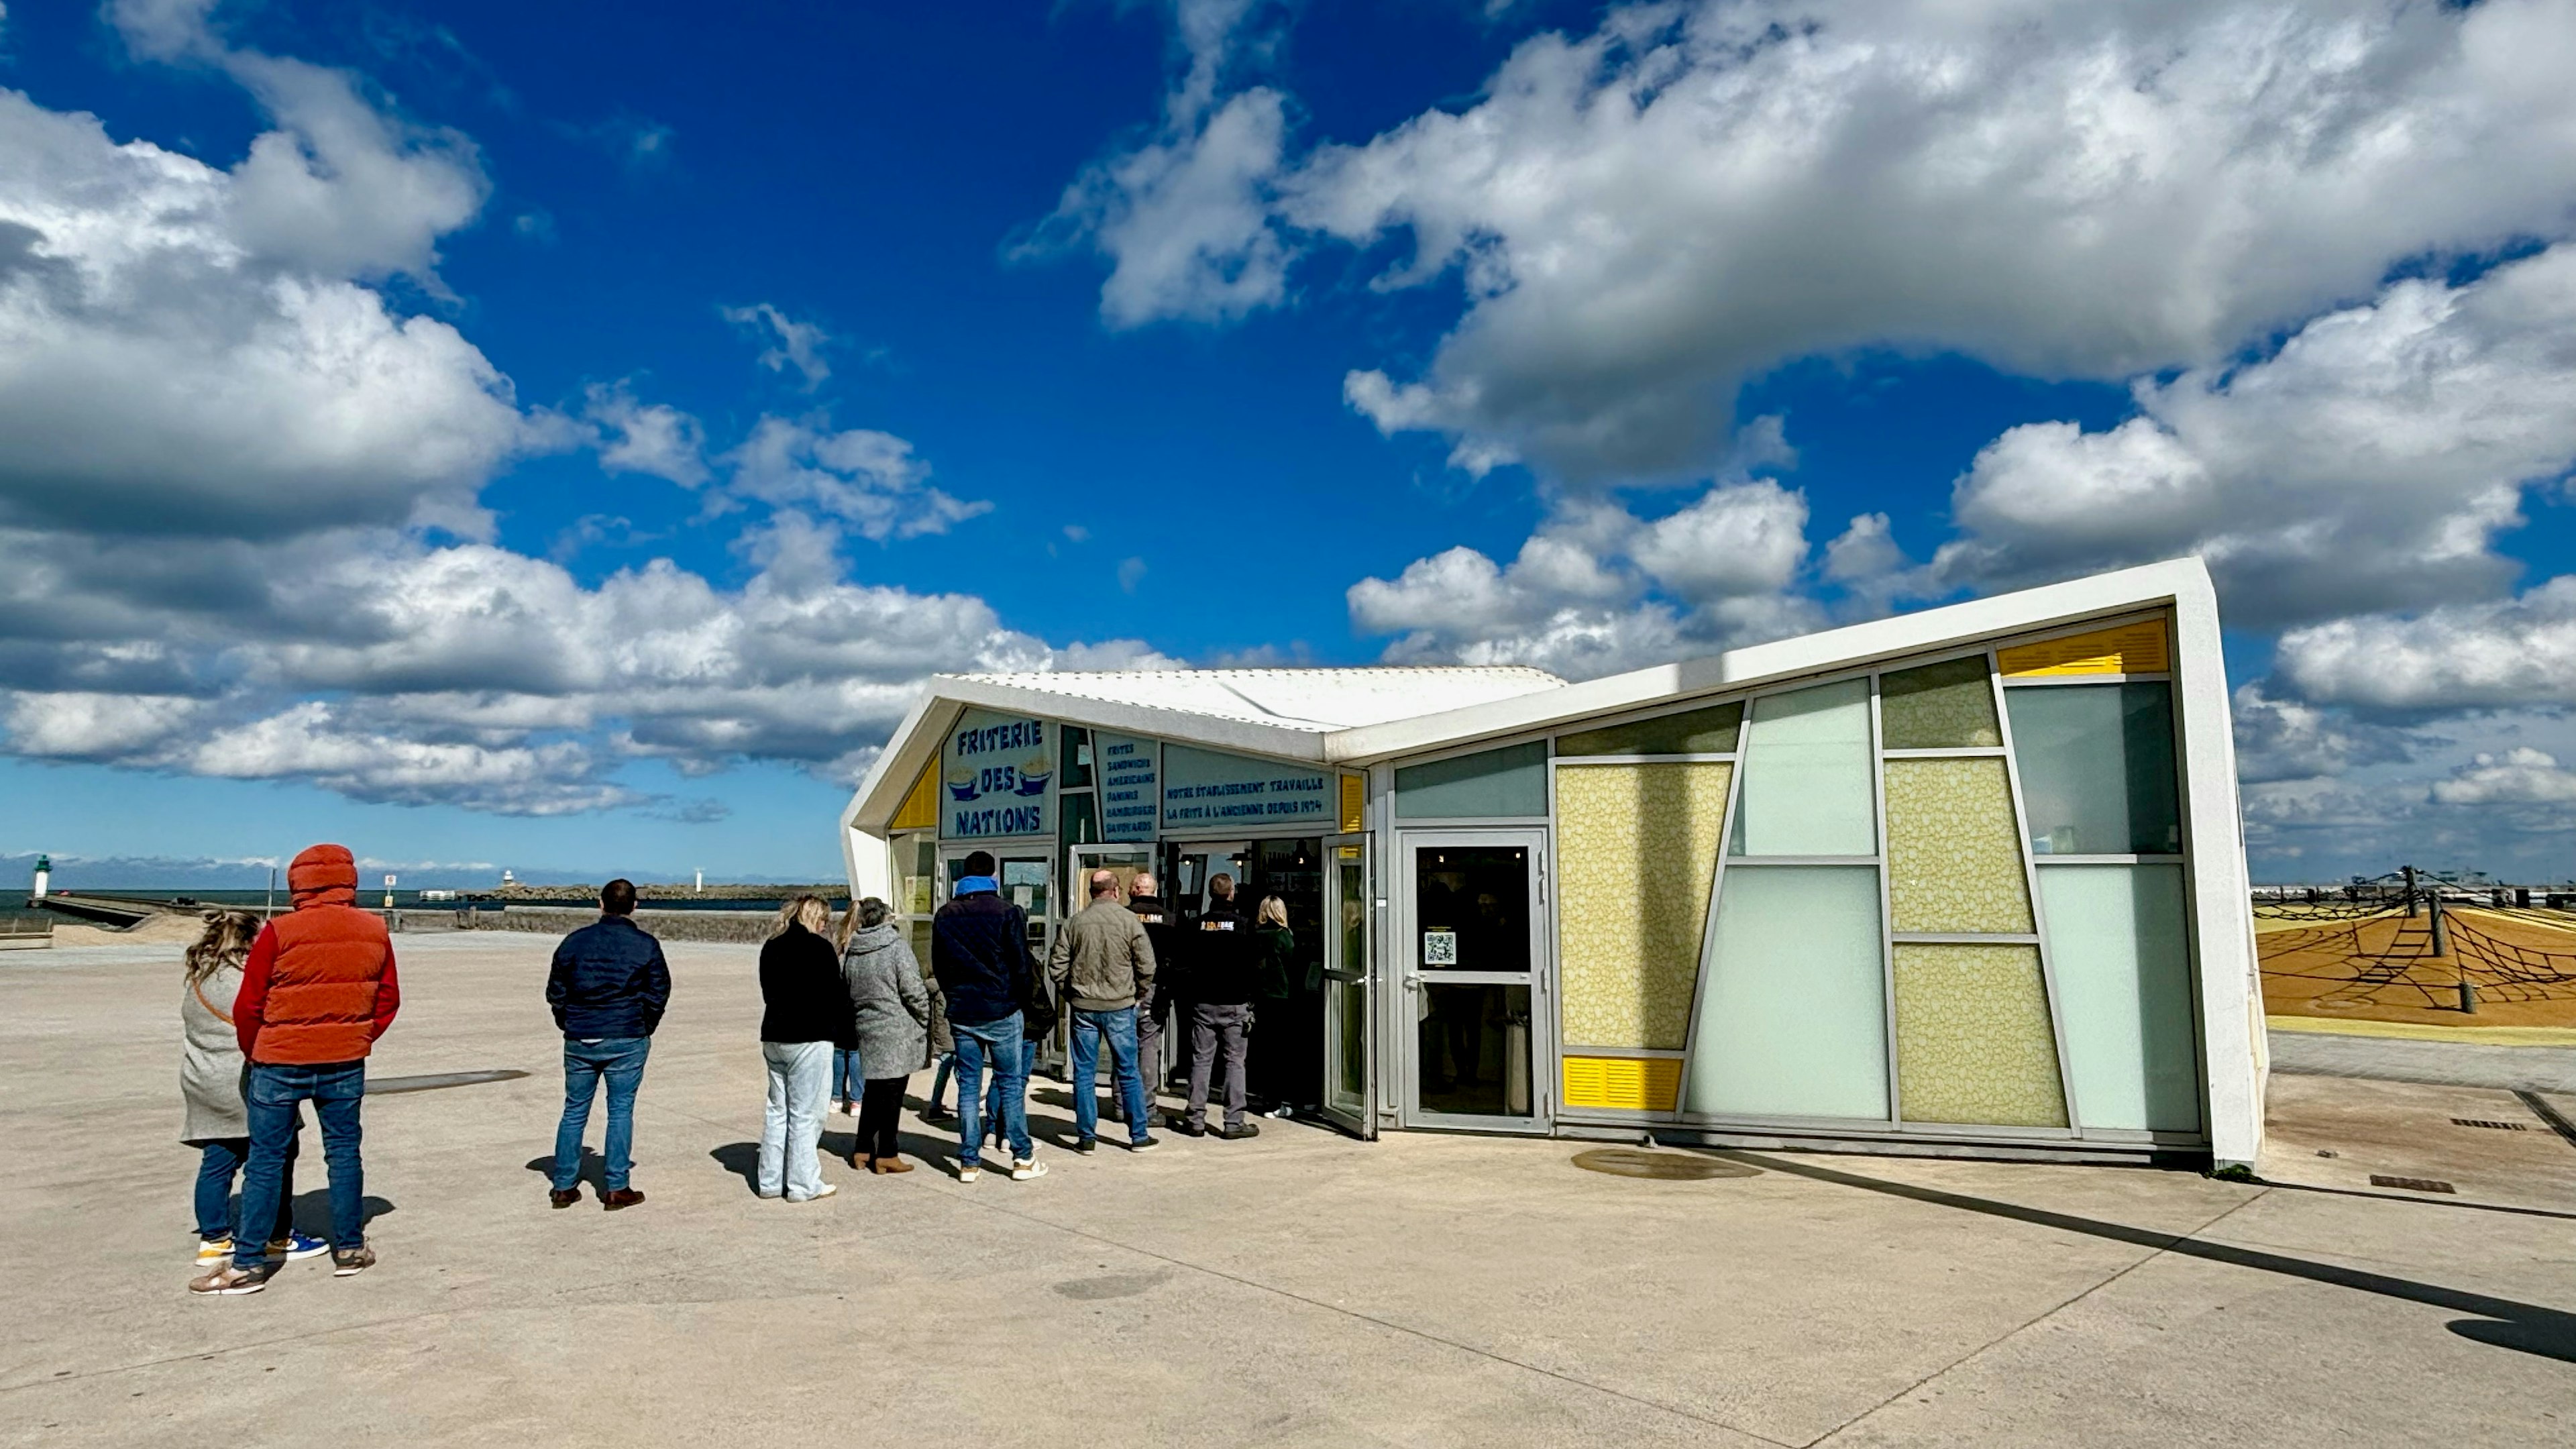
pixel 564 438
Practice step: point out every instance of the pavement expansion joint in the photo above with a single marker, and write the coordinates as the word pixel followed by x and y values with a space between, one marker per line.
pixel 2036 1319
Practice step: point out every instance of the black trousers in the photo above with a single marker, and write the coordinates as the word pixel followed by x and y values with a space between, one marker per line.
pixel 880 1109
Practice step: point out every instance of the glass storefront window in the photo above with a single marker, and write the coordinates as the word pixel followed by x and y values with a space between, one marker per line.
pixel 1496 784
pixel 1950 705
pixel 1710 731
pixel 1074 773
pixel 1807 769
pixel 1792 1010
pixel 916 875
pixel 2097 767
pixel 1079 817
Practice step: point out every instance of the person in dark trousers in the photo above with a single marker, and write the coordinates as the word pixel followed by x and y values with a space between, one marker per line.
pixel 608 988
pixel 1100 965
pixel 317 990
pixel 1157 995
pixel 979 950
pixel 891 1009
pixel 1277 975
pixel 1221 978
pixel 805 1012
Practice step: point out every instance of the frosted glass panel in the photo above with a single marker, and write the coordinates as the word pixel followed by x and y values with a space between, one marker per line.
pixel 1807 775
pixel 1953 857
pixel 1505 782
pixel 1972 1037
pixel 2123 969
pixel 1939 706
pixel 1793 1011
pixel 2097 768
pixel 1636 847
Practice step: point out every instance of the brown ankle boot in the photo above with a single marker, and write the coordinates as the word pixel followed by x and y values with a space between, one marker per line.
pixel 892 1164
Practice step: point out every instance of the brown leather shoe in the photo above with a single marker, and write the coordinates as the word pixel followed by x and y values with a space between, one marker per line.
pixel 564 1197
pixel 624 1197
pixel 890 1164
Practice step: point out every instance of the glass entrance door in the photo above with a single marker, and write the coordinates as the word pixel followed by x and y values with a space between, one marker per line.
pixel 1472 960
pixel 1350 1078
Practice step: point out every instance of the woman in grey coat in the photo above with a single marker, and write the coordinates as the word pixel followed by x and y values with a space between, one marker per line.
pixel 210 1083
pixel 893 1011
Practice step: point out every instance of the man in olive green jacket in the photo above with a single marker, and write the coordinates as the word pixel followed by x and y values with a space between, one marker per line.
pixel 1100 965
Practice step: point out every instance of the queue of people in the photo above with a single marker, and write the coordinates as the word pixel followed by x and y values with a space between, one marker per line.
pixel 282 1012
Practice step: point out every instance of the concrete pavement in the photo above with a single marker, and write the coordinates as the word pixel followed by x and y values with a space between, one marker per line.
pixel 1299 1288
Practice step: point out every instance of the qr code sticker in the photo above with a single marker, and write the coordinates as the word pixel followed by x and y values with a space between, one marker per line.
pixel 1439 948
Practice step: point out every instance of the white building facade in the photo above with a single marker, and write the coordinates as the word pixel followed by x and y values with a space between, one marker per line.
pixel 1969 880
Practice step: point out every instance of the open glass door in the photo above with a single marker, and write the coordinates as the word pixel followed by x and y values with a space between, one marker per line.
pixel 1350 1077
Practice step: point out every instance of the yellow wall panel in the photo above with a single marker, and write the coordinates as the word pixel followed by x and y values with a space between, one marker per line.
pixel 2129 649
pixel 1353 802
pixel 1636 852
pixel 1637 1084
pixel 920 808
pixel 1953 852
pixel 1973 1044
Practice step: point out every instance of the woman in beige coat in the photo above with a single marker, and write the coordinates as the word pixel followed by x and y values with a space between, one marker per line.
pixel 210 1083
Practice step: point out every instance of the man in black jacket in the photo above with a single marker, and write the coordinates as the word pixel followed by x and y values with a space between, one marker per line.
pixel 608 988
pixel 979 950
pixel 1221 1012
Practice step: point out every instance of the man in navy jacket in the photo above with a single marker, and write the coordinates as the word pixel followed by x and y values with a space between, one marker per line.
pixel 979 950
pixel 608 988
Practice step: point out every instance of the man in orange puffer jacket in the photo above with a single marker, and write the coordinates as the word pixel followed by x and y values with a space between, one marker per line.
pixel 317 991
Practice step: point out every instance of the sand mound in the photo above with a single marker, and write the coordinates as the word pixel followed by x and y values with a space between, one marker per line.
pixel 156 930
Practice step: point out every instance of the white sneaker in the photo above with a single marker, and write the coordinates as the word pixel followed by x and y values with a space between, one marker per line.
pixel 1023 1171
pixel 214 1252
pixel 826 1190
pixel 969 1174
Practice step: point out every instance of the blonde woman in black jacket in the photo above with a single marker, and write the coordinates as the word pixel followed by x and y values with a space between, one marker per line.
pixel 805 1011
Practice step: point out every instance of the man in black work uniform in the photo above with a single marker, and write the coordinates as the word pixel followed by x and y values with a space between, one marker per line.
pixel 1165 938
pixel 1220 957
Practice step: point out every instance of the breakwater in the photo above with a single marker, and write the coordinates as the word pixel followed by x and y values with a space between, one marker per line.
pixel 680 925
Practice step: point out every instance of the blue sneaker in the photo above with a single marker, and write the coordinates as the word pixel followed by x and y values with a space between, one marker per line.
pixel 295 1247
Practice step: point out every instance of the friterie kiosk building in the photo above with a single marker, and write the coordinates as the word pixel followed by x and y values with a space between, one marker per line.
pixel 1970 879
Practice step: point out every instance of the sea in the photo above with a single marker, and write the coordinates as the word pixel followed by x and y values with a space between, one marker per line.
pixel 405 900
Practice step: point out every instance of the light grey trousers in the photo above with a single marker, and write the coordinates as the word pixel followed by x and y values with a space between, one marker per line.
pixel 1212 1027
pixel 800 1072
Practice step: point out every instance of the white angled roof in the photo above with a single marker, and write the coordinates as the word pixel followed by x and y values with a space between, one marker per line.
pixel 1356 717
pixel 1317 701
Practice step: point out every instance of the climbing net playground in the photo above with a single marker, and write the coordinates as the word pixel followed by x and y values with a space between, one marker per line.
pixel 2370 960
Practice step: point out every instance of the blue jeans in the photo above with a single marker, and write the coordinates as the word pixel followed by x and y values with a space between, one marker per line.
pixel 225 1156
pixel 939 1082
pixel 274 1091
pixel 993 1090
pixel 1120 1027
pixel 849 1083
pixel 999 1040
pixel 621 1060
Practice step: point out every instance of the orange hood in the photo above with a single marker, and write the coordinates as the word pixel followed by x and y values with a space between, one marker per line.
pixel 324 875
